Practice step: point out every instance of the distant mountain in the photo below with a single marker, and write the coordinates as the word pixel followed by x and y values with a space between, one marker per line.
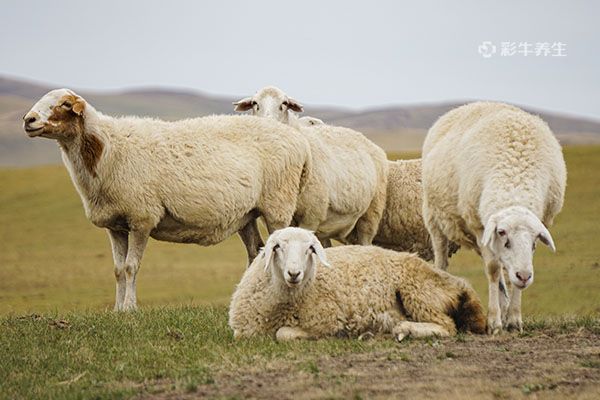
pixel 394 128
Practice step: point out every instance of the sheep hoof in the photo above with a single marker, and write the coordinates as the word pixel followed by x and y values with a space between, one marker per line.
pixel 514 325
pixel 400 337
pixel 493 330
pixel 129 307
pixel 494 326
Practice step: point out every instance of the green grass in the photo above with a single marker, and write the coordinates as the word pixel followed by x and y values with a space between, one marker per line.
pixel 56 265
pixel 52 258
pixel 98 354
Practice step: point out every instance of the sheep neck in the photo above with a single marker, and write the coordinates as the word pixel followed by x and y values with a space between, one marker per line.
pixel 84 153
pixel 288 295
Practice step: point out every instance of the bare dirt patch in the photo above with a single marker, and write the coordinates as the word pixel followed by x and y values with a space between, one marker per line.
pixel 546 364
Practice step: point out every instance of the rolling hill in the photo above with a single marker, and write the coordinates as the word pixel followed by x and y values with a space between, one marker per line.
pixel 395 128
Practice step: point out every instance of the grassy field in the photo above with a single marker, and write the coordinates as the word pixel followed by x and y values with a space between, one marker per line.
pixel 189 352
pixel 53 259
pixel 58 338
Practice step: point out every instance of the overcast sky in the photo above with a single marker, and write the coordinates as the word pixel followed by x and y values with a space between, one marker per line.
pixel 346 53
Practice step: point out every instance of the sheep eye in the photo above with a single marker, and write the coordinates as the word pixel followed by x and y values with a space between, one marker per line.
pixel 67 105
pixel 507 244
pixel 276 247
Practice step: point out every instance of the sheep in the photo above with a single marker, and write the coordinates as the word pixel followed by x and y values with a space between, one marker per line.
pixel 295 289
pixel 494 178
pixel 309 121
pixel 190 181
pixel 271 102
pixel 345 198
pixel 402 227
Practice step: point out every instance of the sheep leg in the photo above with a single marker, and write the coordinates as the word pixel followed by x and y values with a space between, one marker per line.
pixel 118 243
pixel 493 272
pixel 439 242
pixel 137 244
pixel 250 235
pixel 514 320
pixel 288 333
pixel 504 298
pixel 418 330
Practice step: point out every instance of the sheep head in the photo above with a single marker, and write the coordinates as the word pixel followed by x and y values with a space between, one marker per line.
pixel 270 102
pixel 310 121
pixel 511 235
pixel 57 115
pixel 291 254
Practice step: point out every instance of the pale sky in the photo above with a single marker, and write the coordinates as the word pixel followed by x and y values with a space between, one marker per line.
pixel 344 53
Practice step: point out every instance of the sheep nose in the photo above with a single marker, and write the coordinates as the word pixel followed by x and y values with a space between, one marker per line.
pixel 293 275
pixel 523 276
pixel 29 120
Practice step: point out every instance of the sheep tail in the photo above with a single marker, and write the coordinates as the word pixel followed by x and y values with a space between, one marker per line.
pixel 468 313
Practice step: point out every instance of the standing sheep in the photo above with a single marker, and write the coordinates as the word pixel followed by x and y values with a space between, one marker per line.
pixel 296 289
pixel 191 181
pixel 401 227
pixel 494 178
pixel 345 195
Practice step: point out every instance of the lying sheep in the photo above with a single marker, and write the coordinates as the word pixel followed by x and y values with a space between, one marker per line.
pixel 345 197
pixel 493 179
pixel 296 289
pixel 401 227
pixel 191 181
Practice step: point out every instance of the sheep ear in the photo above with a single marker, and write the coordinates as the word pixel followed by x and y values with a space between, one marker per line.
pixel 489 232
pixel 546 238
pixel 78 106
pixel 243 105
pixel 294 105
pixel 269 253
pixel 320 252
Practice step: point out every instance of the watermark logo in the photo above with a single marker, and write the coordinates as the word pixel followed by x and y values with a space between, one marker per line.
pixel 488 49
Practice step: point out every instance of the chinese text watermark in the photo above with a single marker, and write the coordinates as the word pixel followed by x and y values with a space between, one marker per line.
pixel 489 49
